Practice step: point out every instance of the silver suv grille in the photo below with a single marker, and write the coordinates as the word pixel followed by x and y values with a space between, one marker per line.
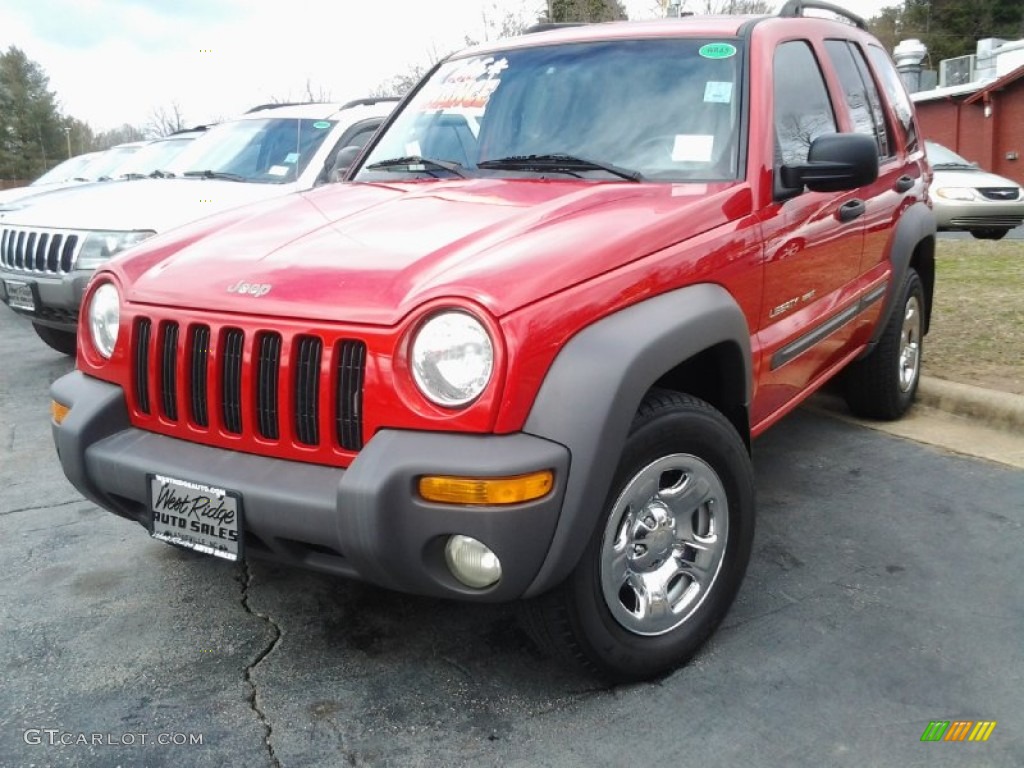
pixel 40 251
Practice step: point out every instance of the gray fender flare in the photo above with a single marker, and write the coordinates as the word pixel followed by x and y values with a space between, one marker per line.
pixel 915 224
pixel 594 387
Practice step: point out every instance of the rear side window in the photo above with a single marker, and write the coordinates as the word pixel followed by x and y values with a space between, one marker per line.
pixel 897 93
pixel 803 111
pixel 860 92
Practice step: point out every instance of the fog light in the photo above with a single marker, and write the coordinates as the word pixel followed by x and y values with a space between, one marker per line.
pixel 58 412
pixel 471 562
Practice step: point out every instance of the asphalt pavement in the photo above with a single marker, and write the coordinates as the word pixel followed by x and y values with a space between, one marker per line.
pixel 883 594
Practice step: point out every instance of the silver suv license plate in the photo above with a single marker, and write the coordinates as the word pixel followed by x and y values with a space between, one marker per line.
pixel 197 516
pixel 20 295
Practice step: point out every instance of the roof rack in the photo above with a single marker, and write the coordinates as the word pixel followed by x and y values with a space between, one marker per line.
pixel 368 101
pixel 795 8
pixel 276 104
pixel 544 26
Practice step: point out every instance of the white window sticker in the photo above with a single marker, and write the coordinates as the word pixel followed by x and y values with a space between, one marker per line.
pixel 693 148
pixel 718 92
pixel 278 170
pixel 292 157
pixel 412 149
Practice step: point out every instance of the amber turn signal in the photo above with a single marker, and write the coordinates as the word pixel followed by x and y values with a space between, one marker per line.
pixel 58 412
pixel 487 490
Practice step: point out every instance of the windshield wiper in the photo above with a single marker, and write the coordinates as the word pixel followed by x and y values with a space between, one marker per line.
pixel 557 162
pixel 158 174
pixel 952 166
pixel 131 176
pixel 208 174
pixel 410 162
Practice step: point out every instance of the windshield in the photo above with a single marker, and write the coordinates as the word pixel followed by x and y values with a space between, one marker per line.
pixel 153 157
pixel 667 109
pixel 105 163
pixel 69 169
pixel 268 150
pixel 939 155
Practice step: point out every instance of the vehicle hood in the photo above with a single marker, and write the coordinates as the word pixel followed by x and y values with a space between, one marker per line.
pixel 970 178
pixel 141 204
pixel 12 199
pixel 371 253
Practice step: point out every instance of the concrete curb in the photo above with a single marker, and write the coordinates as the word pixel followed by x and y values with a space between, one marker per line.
pixel 1000 410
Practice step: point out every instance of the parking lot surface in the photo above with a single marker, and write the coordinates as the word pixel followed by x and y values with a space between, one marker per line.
pixel 883 593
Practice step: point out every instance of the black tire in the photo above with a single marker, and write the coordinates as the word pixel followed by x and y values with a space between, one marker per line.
pixel 883 384
pixel 990 233
pixel 65 342
pixel 579 623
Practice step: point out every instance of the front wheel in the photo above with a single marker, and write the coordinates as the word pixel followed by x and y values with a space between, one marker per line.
pixel 883 384
pixel 663 566
pixel 65 342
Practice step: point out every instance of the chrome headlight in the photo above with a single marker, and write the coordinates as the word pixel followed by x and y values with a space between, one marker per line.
pixel 956 193
pixel 100 246
pixel 105 318
pixel 452 358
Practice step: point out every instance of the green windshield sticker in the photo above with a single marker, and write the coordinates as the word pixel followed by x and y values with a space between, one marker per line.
pixel 321 124
pixel 717 51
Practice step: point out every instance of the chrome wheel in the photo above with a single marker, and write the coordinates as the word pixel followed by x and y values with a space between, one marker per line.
pixel 664 544
pixel 910 345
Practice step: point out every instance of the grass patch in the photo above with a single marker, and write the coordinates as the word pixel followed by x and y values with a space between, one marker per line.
pixel 977 329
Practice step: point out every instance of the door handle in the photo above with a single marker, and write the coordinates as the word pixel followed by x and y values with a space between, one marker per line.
pixel 903 183
pixel 851 209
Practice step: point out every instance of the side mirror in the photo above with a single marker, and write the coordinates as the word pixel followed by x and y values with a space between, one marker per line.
pixel 835 162
pixel 343 161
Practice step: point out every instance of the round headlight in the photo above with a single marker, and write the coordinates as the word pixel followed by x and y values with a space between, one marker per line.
pixel 452 358
pixel 105 318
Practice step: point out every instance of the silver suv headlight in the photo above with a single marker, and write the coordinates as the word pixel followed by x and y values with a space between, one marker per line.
pixel 105 318
pixel 98 247
pixel 452 358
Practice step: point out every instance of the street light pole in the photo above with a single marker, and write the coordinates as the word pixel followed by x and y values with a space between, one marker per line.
pixel 67 132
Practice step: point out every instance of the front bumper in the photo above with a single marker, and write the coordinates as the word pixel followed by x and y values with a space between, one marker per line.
pixel 975 214
pixel 57 297
pixel 363 522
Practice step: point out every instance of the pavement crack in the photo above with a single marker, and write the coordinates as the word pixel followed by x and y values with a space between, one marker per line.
pixel 41 506
pixel 254 697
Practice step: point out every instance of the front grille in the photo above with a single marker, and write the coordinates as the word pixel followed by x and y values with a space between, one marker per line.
pixel 45 252
pixel 1000 193
pixel 286 388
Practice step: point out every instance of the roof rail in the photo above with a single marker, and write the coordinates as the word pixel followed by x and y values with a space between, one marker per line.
pixel 544 26
pixel 368 101
pixel 276 104
pixel 796 8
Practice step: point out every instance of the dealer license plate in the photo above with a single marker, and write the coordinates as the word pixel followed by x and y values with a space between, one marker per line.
pixel 20 295
pixel 197 516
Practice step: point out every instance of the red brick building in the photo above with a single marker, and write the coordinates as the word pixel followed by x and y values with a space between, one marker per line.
pixel 984 122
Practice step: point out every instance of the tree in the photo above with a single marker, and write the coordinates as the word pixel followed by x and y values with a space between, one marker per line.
pixel 949 28
pixel 163 121
pixel 115 136
pixel 728 7
pixel 32 137
pixel 562 11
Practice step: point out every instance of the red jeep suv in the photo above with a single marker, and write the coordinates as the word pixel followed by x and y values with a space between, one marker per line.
pixel 522 352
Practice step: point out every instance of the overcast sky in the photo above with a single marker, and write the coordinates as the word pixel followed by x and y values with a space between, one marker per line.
pixel 115 61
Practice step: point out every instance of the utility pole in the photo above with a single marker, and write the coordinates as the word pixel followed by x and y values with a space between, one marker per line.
pixel 67 132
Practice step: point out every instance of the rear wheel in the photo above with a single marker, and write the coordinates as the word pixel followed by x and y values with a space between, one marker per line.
pixel 664 564
pixel 990 233
pixel 65 342
pixel 883 384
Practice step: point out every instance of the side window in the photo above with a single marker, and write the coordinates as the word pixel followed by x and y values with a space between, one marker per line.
pixel 860 92
pixel 803 111
pixel 893 86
